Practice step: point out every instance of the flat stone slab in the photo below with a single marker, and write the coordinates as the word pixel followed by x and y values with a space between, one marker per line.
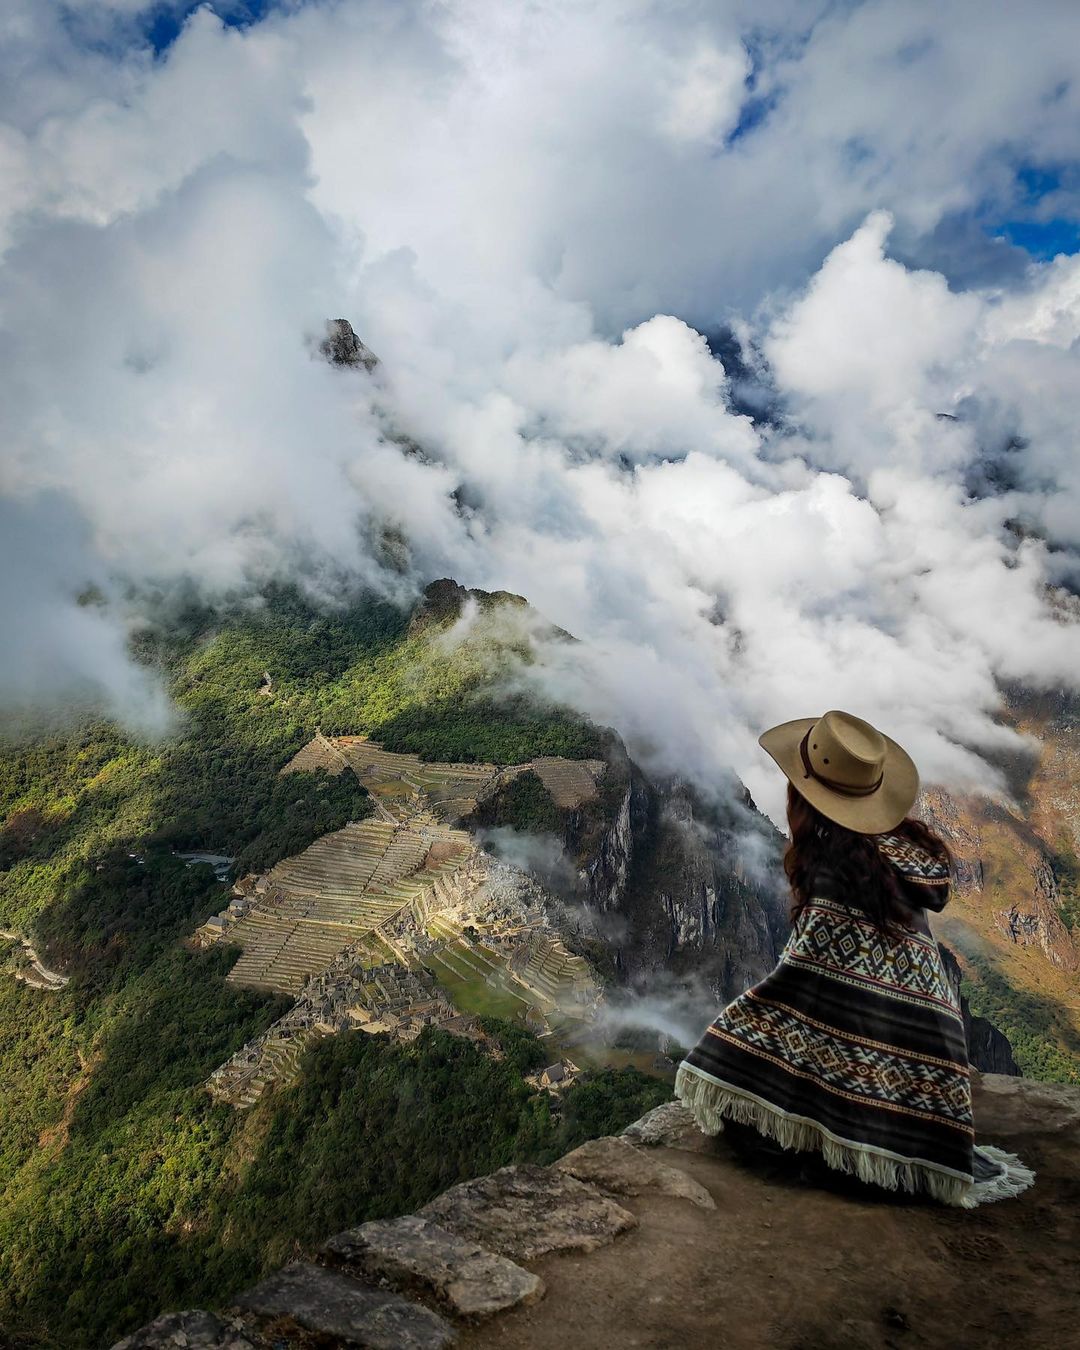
pixel 311 1305
pixel 418 1257
pixel 194 1330
pixel 1019 1106
pixel 525 1211
pixel 616 1165
pixel 668 1126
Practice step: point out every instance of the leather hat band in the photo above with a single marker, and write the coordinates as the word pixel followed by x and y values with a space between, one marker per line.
pixel 831 783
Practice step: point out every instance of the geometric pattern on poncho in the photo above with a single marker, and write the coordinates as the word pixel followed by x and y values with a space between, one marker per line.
pixel 842 942
pixel 850 1064
pixel 856 1033
pixel 913 862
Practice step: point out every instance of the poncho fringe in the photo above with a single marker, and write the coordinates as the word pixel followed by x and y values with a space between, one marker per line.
pixel 711 1103
pixel 853 1047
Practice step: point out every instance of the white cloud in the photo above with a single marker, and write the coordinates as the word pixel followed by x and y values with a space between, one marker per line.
pixel 706 94
pixel 523 210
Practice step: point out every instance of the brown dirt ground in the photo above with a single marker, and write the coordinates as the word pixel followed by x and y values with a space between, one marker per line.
pixel 783 1264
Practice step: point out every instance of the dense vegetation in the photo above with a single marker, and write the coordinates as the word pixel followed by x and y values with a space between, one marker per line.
pixel 146 1195
pixel 123 1188
pixel 523 804
pixel 1066 869
pixel 1042 1037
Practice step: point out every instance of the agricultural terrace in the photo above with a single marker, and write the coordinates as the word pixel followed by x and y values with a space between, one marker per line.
pixel 355 899
pixel 335 894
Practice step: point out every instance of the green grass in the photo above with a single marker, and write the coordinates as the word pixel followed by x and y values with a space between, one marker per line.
pixel 472 994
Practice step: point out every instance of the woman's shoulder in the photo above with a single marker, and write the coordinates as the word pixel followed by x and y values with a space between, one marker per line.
pixel 923 874
pixel 913 861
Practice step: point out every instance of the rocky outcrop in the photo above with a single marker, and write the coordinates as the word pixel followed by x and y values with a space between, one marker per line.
pixel 616 1165
pixel 427 1261
pixel 607 870
pixel 341 346
pixel 783 1264
pixel 527 1211
pixel 188 1331
pixel 759 1258
pixel 1004 858
pixel 444 601
pixel 1019 1108
pixel 1016 885
pixel 674 872
pixel 311 1305
pixel 514 620
pixel 411 1283
pixel 988 1049
pixel 1036 922
pixel 667 1126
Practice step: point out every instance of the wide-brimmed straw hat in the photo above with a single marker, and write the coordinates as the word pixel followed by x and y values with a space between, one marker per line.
pixel 846 768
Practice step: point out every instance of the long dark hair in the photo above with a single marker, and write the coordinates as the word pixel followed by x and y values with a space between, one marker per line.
pixel 856 870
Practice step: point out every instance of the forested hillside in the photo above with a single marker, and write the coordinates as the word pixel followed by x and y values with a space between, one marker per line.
pixel 123 1188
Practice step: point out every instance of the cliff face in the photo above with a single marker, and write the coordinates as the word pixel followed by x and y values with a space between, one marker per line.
pixel 671 873
pixel 1015 909
pixel 672 876
pixel 1006 872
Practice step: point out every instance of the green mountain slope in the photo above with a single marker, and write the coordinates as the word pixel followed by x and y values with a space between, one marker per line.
pixel 123 1188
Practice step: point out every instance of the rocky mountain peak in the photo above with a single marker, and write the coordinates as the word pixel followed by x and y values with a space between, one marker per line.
pixel 445 599
pixel 342 347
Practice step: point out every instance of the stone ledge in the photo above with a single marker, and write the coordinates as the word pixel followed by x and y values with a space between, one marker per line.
pixel 459 1254
pixel 194 1330
pixel 311 1305
pixel 1023 1106
pixel 520 1213
pixel 527 1211
pixel 418 1257
pixel 669 1125
pixel 615 1164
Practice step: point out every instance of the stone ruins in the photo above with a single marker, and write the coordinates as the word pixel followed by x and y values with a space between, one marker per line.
pixel 379 925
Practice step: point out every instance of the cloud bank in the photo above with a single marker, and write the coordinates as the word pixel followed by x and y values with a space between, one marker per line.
pixel 535 216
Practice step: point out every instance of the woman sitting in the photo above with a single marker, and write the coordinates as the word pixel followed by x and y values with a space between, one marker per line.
pixel 854 1045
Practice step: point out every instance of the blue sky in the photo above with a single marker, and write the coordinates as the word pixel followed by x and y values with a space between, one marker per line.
pixel 163 22
pixel 1043 239
pixel 1040 227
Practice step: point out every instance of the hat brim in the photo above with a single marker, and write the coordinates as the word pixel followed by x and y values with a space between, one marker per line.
pixel 876 814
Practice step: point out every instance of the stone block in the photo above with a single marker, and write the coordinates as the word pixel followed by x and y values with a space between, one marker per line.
pixel 193 1330
pixel 418 1257
pixel 616 1165
pixel 525 1211
pixel 668 1126
pixel 310 1305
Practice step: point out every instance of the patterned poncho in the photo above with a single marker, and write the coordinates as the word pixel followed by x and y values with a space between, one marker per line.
pixel 854 1046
